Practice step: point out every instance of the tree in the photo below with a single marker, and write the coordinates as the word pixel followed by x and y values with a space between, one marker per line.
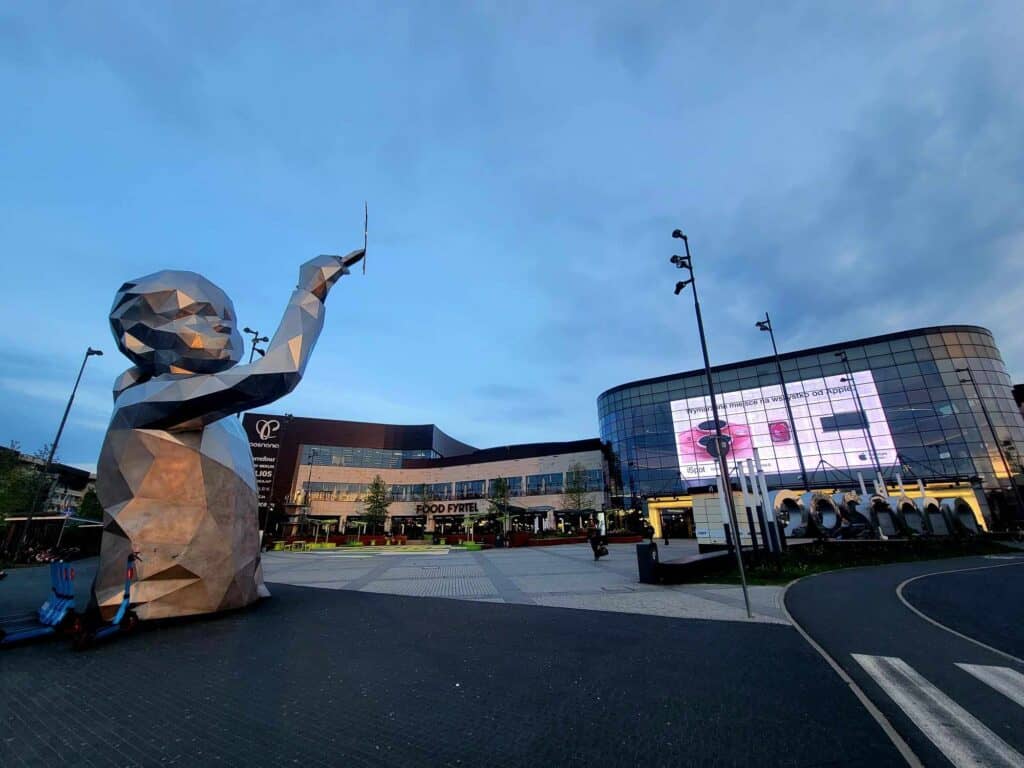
pixel 21 486
pixel 577 496
pixel 498 500
pixel 376 502
pixel 90 508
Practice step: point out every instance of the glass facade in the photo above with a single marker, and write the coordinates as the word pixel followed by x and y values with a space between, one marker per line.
pixel 908 406
pixel 378 458
pixel 539 485
pixel 515 486
pixel 536 485
pixel 335 491
pixel 469 489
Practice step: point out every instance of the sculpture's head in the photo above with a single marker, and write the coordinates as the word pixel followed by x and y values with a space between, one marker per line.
pixel 176 322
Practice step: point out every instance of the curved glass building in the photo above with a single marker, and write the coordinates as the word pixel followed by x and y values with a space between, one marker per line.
pixel 927 404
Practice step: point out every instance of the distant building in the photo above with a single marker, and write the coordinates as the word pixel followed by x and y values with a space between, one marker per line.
pixel 63 499
pixel 321 469
pixel 902 405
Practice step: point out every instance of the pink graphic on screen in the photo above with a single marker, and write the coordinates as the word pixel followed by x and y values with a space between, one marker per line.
pixel 698 443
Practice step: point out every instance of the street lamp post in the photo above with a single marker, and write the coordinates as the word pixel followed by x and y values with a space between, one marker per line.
pixel 89 352
pixel 766 325
pixel 304 516
pixel 721 444
pixel 256 339
pixel 995 437
pixel 860 408
pixel 271 504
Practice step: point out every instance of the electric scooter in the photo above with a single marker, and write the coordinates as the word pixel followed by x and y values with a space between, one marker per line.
pixel 87 631
pixel 55 616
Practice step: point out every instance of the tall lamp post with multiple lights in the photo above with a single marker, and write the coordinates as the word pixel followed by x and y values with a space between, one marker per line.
pixel 721 442
pixel 256 339
pixel 766 325
pixel 995 437
pixel 89 352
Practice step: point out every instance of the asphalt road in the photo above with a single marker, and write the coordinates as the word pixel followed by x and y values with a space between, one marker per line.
pixel 928 682
pixel 325 677
pixel 987 605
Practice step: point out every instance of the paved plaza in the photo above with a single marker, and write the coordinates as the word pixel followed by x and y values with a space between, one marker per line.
pixel 349 677
pixel 563 576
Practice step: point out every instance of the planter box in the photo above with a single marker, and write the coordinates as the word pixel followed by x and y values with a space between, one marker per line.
pixel 626 539
pixel 519 539
pixel 552 541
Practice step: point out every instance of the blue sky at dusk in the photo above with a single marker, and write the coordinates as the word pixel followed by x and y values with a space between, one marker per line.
pixel 852 168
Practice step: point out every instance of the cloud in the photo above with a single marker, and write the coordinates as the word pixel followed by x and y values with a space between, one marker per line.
pixel 57 392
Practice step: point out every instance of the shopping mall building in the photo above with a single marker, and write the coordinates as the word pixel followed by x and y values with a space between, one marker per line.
pixel 933 404
pixel 321 469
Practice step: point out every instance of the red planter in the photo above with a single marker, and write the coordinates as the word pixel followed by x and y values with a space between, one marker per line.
pixel 625 539
pixel 548 542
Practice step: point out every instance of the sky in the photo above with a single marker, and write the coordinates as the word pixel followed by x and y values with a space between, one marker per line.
pixel 851 168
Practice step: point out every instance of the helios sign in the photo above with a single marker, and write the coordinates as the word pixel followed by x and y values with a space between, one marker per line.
pixel 264 434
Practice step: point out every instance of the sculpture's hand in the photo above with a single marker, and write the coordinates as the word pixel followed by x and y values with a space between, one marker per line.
pixel 319 274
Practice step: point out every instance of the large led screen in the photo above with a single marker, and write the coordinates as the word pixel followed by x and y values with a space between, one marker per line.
pixel 832 420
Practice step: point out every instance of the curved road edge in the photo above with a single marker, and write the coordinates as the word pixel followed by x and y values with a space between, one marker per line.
pixel 883 722
pixel 871 635
pixel 939 624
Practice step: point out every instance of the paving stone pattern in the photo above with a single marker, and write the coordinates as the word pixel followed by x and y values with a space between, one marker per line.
pixel 564 576
pixel 340 677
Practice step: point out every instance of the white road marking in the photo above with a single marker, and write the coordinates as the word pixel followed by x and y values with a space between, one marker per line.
pixel 1008 682
pixel 960 736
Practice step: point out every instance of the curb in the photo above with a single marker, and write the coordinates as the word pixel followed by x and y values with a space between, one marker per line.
pixel 897 741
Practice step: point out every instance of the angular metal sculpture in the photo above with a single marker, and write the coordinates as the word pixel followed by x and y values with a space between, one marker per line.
pixel 175 474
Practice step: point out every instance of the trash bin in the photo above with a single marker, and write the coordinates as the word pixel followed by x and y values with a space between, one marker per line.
pixel 647 562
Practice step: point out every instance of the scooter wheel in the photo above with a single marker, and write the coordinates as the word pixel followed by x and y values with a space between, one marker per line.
pixel 131 622
pixel 83 640
pixel 73 626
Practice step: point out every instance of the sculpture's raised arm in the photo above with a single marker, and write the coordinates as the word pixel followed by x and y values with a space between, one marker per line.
pixel 185 397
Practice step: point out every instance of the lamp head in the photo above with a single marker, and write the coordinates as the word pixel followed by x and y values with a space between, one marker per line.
pixel 247 329
pixel 90 352
pixel 678 234
pixel 763 325
pixel 682 284
pixel 682 262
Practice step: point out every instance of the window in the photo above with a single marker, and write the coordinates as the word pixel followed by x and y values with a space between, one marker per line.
pixel 539 485
pixel 595 479
pixel 342 456
pixel 409 492
pixel 439 491
pixel 515 486
pixel 469 489
pixel 334 491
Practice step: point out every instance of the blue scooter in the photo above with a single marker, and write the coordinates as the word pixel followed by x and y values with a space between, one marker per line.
pixel 86 631
pixel 56 615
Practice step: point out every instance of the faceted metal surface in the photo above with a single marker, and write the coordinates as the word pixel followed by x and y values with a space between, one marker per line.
pixel 175 475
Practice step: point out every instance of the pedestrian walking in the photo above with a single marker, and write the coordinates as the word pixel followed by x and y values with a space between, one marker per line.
pixel 594 537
